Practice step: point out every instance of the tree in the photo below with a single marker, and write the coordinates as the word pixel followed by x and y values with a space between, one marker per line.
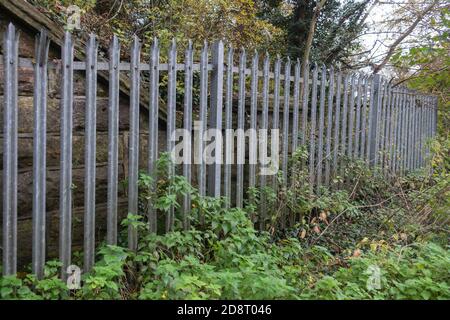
pixel 233 21
pixel 332 27
pixel 426 65
pixel 420 15
pixel 311 31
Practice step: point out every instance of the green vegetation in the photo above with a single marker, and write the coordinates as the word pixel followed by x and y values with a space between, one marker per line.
pixel 431 64
pixel 338 241
pixel 279 27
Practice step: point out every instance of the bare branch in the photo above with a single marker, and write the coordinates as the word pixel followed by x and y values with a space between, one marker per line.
pixel 407 32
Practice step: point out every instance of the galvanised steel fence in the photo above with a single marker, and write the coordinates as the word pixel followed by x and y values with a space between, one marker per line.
pixel 360 116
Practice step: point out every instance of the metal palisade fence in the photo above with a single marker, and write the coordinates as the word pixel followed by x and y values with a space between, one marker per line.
pixel 332 113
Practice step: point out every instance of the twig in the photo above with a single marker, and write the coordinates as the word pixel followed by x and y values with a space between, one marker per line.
pixel 346 209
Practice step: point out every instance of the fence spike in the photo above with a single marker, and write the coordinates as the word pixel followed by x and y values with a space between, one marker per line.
pixel 215 121
pixel 171 120
pixel 305 97
pixel 357 149
pixel 400 143
pixel 187 121
pixel 382 125
pixel 10 123
pixel 286 113
pixel 39 152
pixel 276 108
pixel 90 152
pixel 312 148
pixel 319 166
pixel 153 129
pixel 252 155
pixel 203 118
pixel 229 145
pixel 420 154
pixel 263 150
pixel 133 144
pixel 395 126
pixel 351 116
pixel 388 130
pixel 344 122
pixel 241 128
pixel 329 126
pixel 113 137
pixel 337 122
pixel 295 114
pixel 406 131
pixel 65 190
pixel 285 142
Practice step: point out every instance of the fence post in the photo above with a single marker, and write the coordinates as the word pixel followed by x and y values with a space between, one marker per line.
pixel 113 137
pixel 416 131
pixel 373 120
pixel 388 131
pixel 39 152
pixel 410 133
pixel 383 127
pixel 312 147
pixel 337 121
pixel 133 145
pixel 171 118
pixel 406 132
pixel 286 113
pixel 435 105
pixel 202 117
pixel 10 119
pixel 319 166
pixel 215 121
pixel 329 126
pixel 364 117
pixel 399 134
pixel 263 138
pixel 90 152
pixel 351 115
pixel 253 148
pixel 276 109
pixel 285 142
pixel 229 151
pixel 343 142
pixel 65 187
pixel 356 149
pixel 420 110
pixel 419 147
pixel 240 125
pixel 153 128
pixel 187 121
pixel 296 106
pixel 305 97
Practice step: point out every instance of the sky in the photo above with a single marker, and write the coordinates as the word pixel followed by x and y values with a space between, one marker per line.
pixel 379 13
pixel 384 11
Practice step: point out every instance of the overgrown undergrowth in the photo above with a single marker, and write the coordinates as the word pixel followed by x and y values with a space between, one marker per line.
pixel 364 237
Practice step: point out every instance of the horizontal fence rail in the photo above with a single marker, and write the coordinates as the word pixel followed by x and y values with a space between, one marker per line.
pixel 334 115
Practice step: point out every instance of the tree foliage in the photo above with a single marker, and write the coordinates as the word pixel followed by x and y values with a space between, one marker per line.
pixel 426 65
pixel 276 26
pixel 234 21
pixel 336 34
